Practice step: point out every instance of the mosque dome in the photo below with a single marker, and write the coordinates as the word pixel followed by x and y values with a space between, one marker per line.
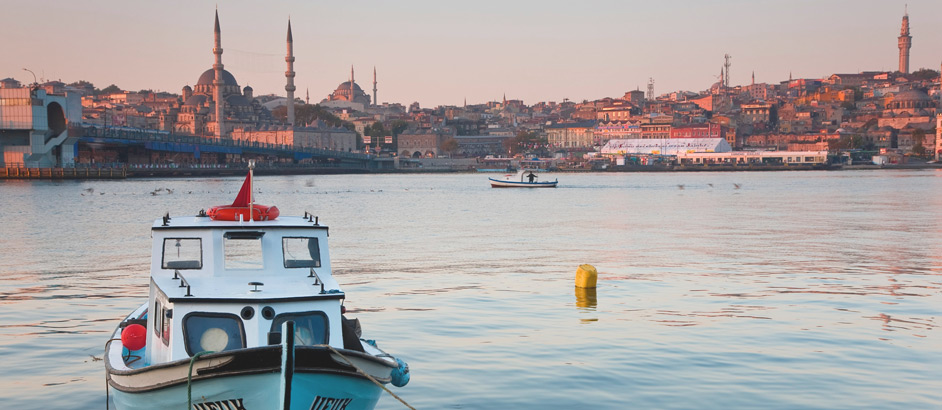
pixel 209 76
pixel 237 100
pixel 911 99
pixel 195 100
pixel 912 95
pixel 345 86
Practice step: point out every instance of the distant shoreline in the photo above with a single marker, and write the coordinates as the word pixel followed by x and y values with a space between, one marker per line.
pixel 132 173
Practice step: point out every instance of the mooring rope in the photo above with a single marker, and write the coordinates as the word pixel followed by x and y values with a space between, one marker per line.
pixel 189 379
pixel 359 370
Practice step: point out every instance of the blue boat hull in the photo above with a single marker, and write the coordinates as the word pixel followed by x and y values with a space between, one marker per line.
pixel 309 391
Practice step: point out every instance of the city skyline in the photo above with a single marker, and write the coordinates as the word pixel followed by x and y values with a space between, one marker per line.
pixel 442 54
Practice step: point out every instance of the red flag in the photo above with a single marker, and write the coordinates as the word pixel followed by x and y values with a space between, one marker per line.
pixel 245 194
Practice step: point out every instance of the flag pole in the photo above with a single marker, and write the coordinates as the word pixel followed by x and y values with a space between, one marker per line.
pixel 251 198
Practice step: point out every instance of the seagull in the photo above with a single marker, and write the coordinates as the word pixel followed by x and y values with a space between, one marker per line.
pixel 736 185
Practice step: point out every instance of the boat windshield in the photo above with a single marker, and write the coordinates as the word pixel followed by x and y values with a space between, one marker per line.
pixel 301 252
pixel 182 253
pixel 243 251
pixel 310 328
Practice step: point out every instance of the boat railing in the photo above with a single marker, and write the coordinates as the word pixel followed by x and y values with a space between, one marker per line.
pixel 317 280
pixel 183 282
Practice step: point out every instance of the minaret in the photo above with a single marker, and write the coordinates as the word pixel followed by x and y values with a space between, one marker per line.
pixel 289 87
pixel 375 101
pixel 307 96
pixel 351 83
pixel 905 43
pixel 217 82
pixel 753 78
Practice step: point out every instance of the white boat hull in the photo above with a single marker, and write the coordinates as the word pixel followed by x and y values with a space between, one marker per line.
pixel 497 183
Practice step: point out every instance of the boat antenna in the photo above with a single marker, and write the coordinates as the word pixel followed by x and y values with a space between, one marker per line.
pixel 251 196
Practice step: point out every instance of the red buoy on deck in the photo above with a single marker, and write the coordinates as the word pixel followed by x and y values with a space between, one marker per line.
pixel 134 337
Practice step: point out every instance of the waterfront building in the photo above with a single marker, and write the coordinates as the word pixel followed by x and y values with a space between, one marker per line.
pixel 34 126
pixel 621 112
pixel 635 97
pixel 316 135
pixel 609 130
pixel 760 92
pixel 795 142
pixel 665 146
pixel 481 145
pixel 754 157
pixel 571 135
pixel 424 142
pixel 708 130
pixel 937 152
pixel 755 113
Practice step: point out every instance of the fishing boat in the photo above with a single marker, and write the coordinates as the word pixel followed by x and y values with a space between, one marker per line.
pixel 244 314
pixel 524 178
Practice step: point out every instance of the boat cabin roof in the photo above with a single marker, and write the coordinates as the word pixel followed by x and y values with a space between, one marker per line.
pixel 197 259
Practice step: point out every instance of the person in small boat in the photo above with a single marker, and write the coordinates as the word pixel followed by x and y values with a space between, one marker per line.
pixel 531 176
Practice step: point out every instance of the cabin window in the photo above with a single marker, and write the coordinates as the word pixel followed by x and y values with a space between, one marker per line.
pixel 156 314
pixel 310 328
pixel 214 332
pixel 243 250
pixel 166 320
pixel 182 253
pixel 301 252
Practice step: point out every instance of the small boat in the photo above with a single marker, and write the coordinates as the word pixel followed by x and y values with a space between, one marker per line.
pixel 244 314
pixel 524 178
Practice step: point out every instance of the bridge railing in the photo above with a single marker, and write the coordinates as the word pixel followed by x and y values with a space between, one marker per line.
pixel 137 134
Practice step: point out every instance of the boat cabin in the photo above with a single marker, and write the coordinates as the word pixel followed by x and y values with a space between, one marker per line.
pixel 225 285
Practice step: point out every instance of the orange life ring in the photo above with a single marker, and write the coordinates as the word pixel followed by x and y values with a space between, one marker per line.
pixel 232 213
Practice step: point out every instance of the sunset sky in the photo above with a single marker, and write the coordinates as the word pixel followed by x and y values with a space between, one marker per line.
pixel 441 52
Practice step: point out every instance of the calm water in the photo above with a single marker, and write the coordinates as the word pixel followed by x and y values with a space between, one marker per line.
pixel 789 290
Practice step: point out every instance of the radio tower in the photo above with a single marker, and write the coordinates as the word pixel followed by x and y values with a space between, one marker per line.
pixel 726 75
pixel 651 89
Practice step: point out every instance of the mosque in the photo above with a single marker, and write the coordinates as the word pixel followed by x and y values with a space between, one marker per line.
pixel 200 114
pixel 239 116
pixel 349 95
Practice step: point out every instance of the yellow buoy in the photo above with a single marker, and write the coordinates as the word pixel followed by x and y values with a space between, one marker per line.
pixel 586 276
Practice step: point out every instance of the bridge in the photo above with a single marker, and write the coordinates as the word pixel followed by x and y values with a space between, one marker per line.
pixel 124 143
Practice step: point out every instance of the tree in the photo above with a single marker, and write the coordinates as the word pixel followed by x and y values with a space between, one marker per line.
pixel 925 74
pixel 375 130
pixel 398 126
pixel 111 89
pixel 308 113
pixel 450 146
pixel 918 137
pixel 523 142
